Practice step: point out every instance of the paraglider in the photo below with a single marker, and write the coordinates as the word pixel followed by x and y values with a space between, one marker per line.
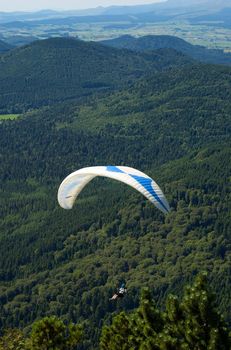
pixel 73 184
pixel 120 292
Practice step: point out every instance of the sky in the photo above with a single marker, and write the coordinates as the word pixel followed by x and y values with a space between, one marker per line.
pixel 34 5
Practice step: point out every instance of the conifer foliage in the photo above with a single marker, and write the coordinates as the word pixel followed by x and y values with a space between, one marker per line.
pixel 51 333
pixel 13 339
pixel 192 323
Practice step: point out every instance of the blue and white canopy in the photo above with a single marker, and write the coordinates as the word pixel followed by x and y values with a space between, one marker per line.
pixel 73 184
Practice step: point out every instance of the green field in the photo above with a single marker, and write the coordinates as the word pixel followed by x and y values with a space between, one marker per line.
pixel 9 116
pixel 209 36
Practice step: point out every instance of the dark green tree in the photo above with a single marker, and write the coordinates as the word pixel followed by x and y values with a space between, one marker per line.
pixel 50 333
pixel 203 325
pixel 137 330
pixel 118 335
pixel 13 339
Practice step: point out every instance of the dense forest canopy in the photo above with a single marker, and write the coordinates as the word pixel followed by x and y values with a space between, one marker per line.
pixel 154 42
pixel 170 120
pixel 53 70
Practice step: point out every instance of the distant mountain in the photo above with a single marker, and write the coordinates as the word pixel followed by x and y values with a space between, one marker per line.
pixel 146 17
pixel 220 18
pixel 136 9
pixel 5 46
pixel 57 69
pixel 6 17
pixel 163 5
pixel 156 12
pixel 20 40
pixel 202 3
pixel 157 8
pixel 70 20
pixel 153 42
pixel 28 16
pixel 179 5
pixel 100 10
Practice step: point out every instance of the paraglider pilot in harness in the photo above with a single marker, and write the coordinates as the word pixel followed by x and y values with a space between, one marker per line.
pixel 120 292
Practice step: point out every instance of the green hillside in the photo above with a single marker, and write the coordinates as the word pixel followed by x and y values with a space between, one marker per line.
pixel 154 42
pixel 175 125
pixel 5 46
pixel 54 70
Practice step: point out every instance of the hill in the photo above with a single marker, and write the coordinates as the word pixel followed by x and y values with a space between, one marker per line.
pixel 120 19
pixel 58 69
pixel 20 15
pixel 220 18
pixel 154 42
pixel 175 125
pixel 5 46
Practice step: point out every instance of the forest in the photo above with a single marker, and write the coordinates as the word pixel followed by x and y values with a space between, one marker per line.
pixel 154 42
pixel 171 121
pixel 50 71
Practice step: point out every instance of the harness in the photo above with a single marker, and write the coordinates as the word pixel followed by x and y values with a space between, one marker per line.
pixel 122 291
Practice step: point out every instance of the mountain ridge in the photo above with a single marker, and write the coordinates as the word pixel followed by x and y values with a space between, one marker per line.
pixel 153 42
pixel 66 68
pixel 4 46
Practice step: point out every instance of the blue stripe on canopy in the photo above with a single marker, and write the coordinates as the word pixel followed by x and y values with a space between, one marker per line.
pixel 147 184
pixel 143 181
pixel 114 169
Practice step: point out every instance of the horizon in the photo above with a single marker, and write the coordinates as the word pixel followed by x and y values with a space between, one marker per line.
pixel 69 5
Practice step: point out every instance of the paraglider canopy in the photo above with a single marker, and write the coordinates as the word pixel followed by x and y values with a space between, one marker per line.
pixel 73 184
